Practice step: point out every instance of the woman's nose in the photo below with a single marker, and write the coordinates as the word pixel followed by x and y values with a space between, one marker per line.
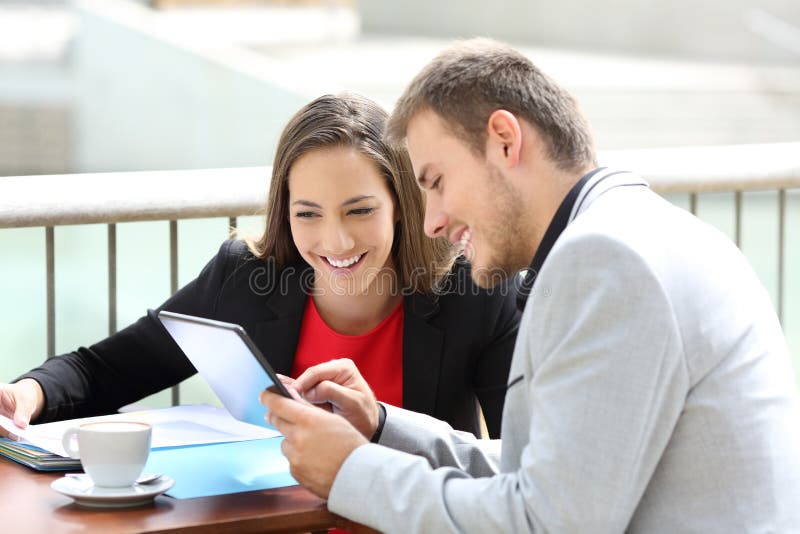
pixel 338 239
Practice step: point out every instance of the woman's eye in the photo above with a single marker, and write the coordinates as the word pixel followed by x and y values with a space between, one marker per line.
pixel 362 211
pixel 305 214
pixel 435 184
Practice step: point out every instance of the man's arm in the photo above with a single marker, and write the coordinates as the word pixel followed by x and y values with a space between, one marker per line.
pixel 438 443
pixel 338 386
pixel 603 387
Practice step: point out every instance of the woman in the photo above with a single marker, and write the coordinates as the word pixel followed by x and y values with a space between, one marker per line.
pixel 343 269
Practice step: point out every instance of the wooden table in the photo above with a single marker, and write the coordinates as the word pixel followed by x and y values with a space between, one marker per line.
pixel 29 505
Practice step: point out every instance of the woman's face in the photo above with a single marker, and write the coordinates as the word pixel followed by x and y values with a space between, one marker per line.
pixel 342 217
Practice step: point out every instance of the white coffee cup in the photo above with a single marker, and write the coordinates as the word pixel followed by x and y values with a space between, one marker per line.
pixel 112 453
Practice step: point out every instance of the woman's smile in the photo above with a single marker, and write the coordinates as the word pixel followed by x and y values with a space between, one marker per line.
pixel 344 264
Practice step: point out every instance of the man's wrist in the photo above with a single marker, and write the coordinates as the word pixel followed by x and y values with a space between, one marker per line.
pixel 381 421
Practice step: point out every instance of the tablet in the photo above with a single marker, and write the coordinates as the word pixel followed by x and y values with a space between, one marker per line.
pixel 228 360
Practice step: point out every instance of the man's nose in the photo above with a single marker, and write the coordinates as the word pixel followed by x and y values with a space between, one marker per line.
pixel 435 221
pixel 338 239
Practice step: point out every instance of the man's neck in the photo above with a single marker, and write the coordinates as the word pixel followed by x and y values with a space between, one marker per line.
pixel 546 193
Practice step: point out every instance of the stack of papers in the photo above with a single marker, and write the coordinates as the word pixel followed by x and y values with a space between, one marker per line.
pixel 35 457
pixel 39 446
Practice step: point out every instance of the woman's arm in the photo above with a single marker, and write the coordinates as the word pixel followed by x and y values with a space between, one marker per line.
pixel 131 364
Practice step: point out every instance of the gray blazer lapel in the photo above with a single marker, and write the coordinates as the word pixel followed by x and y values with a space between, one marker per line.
pixel 600 183
pixel 422 354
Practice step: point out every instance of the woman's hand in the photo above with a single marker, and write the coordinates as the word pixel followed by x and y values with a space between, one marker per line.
pixel 338 386
pixel 22 402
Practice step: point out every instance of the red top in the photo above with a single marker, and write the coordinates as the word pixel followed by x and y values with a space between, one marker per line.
pixel 378 354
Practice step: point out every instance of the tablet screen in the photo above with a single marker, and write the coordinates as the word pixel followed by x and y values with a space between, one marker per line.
pixel 228 360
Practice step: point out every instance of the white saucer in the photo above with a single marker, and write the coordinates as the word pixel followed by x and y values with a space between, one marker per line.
pixel 87 494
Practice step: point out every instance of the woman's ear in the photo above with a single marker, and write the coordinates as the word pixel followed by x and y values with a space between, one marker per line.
pixel 504 138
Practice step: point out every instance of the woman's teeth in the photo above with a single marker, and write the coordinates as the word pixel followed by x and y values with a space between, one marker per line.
pixel 343 263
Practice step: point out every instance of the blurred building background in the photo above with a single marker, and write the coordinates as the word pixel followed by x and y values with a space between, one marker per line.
pixel 102 85
pixel 132 85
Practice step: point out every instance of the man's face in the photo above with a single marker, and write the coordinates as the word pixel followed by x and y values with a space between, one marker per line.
pixel 469 201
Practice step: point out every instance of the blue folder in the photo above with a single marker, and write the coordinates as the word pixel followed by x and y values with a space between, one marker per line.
pixel 219 468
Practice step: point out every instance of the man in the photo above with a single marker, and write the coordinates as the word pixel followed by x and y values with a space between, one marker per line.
pixel 651 387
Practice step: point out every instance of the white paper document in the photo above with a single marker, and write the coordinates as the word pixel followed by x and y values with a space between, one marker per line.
pixel 172 427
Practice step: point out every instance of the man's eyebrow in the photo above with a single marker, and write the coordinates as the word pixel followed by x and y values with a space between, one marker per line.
pixel 422 179
pixel 307 203
pixel 356 199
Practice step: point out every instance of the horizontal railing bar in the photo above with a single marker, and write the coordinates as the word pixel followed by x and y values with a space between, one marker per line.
pixel 28 201
pixel 712 169
pixel 55 200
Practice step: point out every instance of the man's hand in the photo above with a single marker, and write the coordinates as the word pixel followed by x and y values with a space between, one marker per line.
pixel 316 442
pixel 21 402
pixel 340 386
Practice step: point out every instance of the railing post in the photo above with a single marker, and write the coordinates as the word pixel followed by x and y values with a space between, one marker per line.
pixel 738 219
pixel 781 248
pixel 112 278
pixel 173 276
pixel 51 290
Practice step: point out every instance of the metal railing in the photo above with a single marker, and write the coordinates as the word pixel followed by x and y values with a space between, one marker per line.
pixel 111 198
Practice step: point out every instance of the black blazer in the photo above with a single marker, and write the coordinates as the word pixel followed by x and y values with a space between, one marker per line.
pixel 456 347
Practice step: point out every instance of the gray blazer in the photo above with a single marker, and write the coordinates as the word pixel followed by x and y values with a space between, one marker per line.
pixel 650 391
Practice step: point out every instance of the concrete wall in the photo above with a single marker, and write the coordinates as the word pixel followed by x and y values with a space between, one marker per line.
pixel 35 89
pixel 150 99
pixel 732 29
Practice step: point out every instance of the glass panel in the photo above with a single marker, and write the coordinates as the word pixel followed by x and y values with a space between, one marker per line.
pixel 142 278
pixel 81 280
pixel 718 209
pixel 23 343
pixel 679 199
pixel 760 236
pixel 198 242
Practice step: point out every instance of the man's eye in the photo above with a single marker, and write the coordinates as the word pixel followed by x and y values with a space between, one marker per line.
pixel 362 211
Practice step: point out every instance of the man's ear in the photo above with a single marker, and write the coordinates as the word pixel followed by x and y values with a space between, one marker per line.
pixel 504 139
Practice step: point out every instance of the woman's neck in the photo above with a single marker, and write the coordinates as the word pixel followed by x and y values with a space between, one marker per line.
pixel 354 315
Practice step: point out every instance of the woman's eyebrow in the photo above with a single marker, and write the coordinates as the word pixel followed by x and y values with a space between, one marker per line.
pixel 307 203
pixel 356 199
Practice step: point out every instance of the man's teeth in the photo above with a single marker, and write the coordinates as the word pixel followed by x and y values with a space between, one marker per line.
pixel 344 263
pixel 465 237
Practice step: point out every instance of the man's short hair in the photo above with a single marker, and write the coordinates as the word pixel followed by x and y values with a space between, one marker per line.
pixel 468 81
